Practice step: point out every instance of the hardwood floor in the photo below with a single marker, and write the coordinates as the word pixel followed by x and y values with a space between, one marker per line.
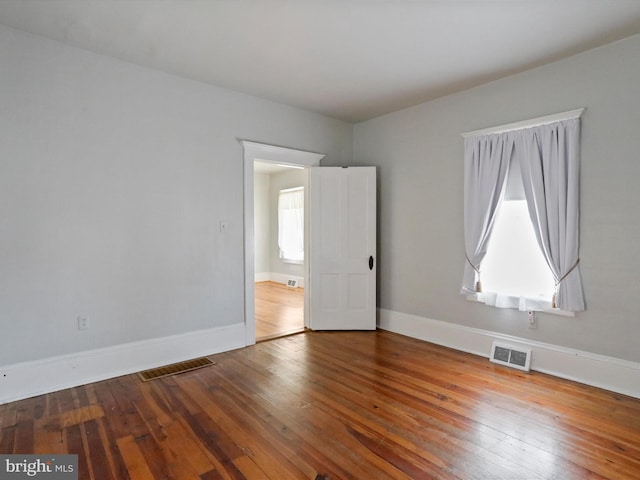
pixel 279 310
pixel 335 405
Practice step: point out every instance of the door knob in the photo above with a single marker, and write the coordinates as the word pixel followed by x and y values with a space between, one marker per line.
pixel 371 262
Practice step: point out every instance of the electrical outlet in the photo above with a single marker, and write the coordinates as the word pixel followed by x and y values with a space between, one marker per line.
pixel 83 323
pixel 533 323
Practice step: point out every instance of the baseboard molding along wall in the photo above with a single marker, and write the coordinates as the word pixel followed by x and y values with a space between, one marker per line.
pixel 28 379
pixel 263 277
pixel 601 371
pixel 278 278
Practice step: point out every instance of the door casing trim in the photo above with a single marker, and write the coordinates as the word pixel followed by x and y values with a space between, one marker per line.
pixel 271 153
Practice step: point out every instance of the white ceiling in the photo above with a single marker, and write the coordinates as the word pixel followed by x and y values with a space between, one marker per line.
pixel 349 59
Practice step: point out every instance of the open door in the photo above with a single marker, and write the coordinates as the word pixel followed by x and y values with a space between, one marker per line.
pixel 342 241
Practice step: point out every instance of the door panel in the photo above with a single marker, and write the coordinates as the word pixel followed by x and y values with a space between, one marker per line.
pixel 342 238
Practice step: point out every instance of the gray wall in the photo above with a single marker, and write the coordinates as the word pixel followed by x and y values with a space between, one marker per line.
pixel 419 153
pixel 113 181
pixel 262 223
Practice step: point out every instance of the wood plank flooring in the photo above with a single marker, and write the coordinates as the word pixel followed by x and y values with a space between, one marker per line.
pixel 279 310
pixel 335 405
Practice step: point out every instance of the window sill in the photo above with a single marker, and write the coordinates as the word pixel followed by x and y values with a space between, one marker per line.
pixel 473 297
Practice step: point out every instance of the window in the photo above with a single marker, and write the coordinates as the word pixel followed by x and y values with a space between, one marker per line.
pixel 514 271
pixel 291 225
pixel 503 267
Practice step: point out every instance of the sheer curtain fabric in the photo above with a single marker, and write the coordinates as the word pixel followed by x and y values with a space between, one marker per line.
pixel 291 224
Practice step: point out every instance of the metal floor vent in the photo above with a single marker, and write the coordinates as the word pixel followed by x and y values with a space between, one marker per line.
pixel 175 368
pixel 511 356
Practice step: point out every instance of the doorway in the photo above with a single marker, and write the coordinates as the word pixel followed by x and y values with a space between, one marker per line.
pixel 279 248
pixel 273 155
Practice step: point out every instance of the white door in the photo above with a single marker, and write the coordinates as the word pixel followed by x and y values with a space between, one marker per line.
pixel 342 241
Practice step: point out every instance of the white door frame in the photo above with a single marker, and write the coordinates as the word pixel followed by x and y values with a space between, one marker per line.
pixel 287 156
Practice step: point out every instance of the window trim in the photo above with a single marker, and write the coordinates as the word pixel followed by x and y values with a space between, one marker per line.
pixel 532 122
pixel 284 259
pixel 507 128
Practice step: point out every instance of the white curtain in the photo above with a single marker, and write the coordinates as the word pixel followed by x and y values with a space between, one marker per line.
pixel 486 165
pixel 550 164
pixel 291 224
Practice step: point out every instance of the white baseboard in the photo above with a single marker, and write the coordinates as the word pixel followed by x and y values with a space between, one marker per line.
pixel 282 278
pixel 28 379
pixel 610 373
pixel 263 277
pixel 278 278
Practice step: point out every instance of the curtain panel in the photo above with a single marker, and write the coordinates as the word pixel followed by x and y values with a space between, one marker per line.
pixel 550 166
pixel 486 166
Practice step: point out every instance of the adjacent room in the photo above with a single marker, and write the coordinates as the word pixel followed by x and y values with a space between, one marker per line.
pixel 279 192
pixel 322 240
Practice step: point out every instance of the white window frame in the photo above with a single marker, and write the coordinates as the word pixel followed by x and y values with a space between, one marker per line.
pixel 283 252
